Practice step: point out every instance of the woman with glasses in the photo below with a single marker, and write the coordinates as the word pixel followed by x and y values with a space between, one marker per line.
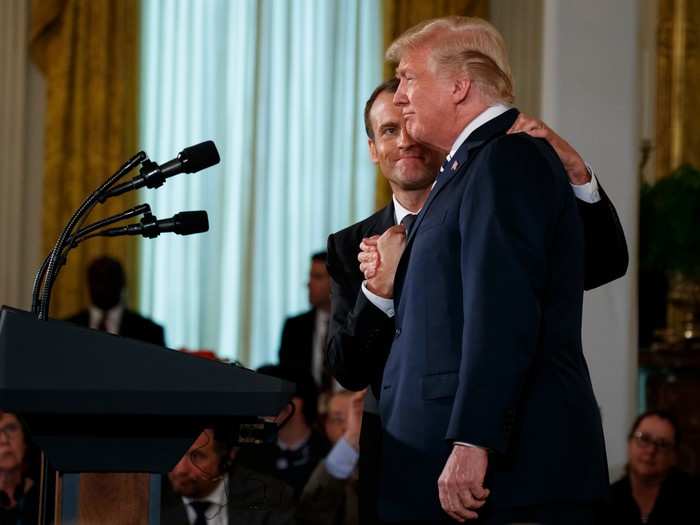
pixel 654 491
pixel 18 489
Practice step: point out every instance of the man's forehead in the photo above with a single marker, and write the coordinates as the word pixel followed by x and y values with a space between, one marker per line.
pixel 384 110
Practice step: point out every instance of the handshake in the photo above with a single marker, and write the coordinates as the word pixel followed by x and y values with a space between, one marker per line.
pixel 379 258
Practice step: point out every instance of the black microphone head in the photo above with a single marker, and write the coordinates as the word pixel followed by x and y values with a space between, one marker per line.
pixel 189 222
pixel 199 157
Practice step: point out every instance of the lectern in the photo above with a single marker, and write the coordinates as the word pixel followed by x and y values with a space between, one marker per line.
pixel 95 402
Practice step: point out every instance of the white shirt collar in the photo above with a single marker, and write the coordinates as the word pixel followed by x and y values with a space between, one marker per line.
pixel 489 113
pixel 217 497
pixel 399 211
pixel 113 317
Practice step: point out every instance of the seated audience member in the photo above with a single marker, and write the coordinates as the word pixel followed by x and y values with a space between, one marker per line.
pixel 654 491
pixel 106 283
pixel 300 446
pixel 330 495
pixel 19 491
pixel 304 336
pixel 209 487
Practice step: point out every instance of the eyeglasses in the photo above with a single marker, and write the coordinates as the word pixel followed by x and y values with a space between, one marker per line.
pixel 10 430
pixel 645 440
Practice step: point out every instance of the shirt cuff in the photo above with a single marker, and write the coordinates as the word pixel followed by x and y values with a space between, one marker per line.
pixel 384 304
pixel 468 445
pixel 342 460
pixel 587 192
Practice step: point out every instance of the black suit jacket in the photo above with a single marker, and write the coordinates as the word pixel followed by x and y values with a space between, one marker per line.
pixel 296 346
pixel 360 334
pixel 133 325
pixel 253 499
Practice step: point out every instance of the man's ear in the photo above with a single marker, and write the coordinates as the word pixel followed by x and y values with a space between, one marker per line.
pixel 373 151
pixel 461 86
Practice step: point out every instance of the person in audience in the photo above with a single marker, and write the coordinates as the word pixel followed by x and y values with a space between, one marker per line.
pixel 107 312
pixel 304 336
pixel 19 497
pixel 654 491
pixel 300 445
pixel 209 487
pixel 330 496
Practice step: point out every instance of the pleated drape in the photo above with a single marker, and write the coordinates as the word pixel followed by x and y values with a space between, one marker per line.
pixel 87 50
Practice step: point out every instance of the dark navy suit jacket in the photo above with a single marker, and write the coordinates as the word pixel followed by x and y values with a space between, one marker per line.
pixel 487 345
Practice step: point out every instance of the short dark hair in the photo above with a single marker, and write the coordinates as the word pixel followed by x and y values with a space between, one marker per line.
pixel 106 269
pixel 389 86
pixel 661 414
pixel 306 390
pixel 320 257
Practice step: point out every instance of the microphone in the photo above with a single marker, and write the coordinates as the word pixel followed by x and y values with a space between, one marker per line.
pixel 183 223
pixel 189 160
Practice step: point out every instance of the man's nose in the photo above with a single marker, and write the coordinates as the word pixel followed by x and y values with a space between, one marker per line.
pixel 405 140
pixel 400 95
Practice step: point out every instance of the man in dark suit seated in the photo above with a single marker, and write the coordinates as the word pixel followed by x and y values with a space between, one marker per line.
pixel 209 487
pixel 300 446
pixel 106 284
pixel 304 336
pixel 330 495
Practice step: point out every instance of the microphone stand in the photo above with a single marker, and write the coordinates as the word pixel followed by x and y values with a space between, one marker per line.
pixel 41 297
pixel 43 294
pixel 76 239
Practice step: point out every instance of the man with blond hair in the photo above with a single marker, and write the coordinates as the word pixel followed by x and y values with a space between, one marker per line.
pixel 486 402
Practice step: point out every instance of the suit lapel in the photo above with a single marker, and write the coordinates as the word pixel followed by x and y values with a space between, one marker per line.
pixel 455 168
pixel 385 220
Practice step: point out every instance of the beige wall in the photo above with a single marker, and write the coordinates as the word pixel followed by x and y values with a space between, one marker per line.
pixel 587 69
pixel 21 151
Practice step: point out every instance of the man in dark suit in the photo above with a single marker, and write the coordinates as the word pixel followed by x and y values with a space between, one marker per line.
pixel 304 336
pixel 208 487
pixel 106 284
pixel 361 335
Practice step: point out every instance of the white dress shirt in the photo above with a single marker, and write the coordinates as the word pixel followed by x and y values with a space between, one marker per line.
pixel 216 514
pixel 113 320
pixel 342 459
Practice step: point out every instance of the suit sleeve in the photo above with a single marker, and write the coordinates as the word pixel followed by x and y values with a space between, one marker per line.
pixel 286 351
pixel 322 499
pixel 605 247
pixel 360 334
pixel 505 222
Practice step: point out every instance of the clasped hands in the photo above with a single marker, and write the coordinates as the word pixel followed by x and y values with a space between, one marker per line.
pixel 379 257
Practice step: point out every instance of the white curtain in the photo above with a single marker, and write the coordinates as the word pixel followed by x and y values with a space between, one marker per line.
pixel 280 86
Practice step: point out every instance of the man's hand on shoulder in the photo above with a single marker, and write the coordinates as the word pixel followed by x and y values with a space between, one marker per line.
pixel 461 484
pixel 379 258
pixel 573 163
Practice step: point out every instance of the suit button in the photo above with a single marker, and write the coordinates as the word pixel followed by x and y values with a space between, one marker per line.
pixel 397 332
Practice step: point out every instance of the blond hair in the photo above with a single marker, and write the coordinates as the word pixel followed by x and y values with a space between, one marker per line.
pixel 460 44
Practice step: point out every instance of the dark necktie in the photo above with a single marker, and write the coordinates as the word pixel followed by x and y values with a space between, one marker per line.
pixel 102 325
pixel 200 508
pixel 408 221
